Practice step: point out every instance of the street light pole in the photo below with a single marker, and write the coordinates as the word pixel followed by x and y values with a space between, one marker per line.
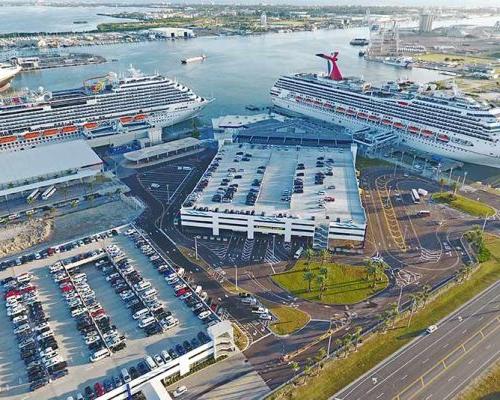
pixel 274 243
pixel 236 275
pixel 196 246
pixel 329 339
pixel 400 295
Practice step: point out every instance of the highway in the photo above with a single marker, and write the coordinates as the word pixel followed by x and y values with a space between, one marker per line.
pixel 437 365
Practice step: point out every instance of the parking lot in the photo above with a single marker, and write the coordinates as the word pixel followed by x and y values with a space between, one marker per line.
pixel 71 345
pixel 164 182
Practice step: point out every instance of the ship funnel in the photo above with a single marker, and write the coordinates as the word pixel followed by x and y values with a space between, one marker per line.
pixel 333 69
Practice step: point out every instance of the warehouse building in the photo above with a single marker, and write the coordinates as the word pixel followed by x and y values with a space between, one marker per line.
pixel 306 191
pixel 45 166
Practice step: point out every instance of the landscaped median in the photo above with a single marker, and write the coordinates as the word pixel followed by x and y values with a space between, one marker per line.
pixel 290 319
pixel 464 204
pixel 343 284
pixel 339 372
pixel 484 388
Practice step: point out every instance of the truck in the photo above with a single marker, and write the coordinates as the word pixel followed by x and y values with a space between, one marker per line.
pixel 422 192
pixel 298 253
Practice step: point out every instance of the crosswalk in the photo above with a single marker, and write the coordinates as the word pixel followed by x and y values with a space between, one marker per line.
pixel 430 255
pixel 247 250
pixel 270 257
pixel 219 249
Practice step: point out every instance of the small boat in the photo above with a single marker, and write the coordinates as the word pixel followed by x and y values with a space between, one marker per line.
pixel 361 53
pixel 126 120
pixel 31 135
pixel 50 132
pixel 69 129
pixel 140 117
pixel 8 139
pixel 90 125
pixel 386 121
pixel 444 138
pixel 427 133
pixel 203 57
pixel 359 42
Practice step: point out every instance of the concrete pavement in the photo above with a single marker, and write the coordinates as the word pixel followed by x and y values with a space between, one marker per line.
pixel 424 366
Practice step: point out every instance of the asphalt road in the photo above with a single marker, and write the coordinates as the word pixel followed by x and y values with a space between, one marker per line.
pixel 437 365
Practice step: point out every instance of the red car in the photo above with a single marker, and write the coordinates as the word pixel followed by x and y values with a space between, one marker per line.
pixel 96 313
pixel 12 293
pixel 180 292
pixel 99 389
pixel 66 289
pixel 28 289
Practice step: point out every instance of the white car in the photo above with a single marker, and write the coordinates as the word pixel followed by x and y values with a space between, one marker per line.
pixel 204 314
pixel 159 360
pixel 267 317
pixel 431 329
pixel 22 328
pixel 179 391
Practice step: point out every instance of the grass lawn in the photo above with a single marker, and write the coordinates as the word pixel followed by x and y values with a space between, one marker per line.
pixel 345 284
pixel 458 58
pixel 364 162
pixel 486 387
pixel 240 339
pixel 289 319
pixel 340 372
pixel 461 203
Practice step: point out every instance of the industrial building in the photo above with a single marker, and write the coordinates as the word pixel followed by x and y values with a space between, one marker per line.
pixel 164 151
pixel 44 166
pixel 290 190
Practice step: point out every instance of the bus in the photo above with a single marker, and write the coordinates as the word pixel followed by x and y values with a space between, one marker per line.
pixel 49 192
pixel 298 253
pixel 414 195
pixel 424 213
pixel 33 196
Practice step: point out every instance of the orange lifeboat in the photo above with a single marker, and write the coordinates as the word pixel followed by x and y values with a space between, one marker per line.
pixel 386 121
pixel 340 110
pixel 31 135
pixel 50 132
pixel 427 133
pixel 351 112
pixel 69 129
pixel 363 116
pixel 398 125
pixel 373 118
pixel 444 138
pixel 8 139
pixel 126 120
pixel 90 125
pixel 413 129
pixel 140 117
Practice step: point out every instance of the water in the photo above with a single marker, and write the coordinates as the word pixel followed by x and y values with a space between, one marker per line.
pixel 54 19
pixel 238 71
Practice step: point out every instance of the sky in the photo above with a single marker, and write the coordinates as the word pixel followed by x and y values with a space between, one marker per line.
pixel 412 3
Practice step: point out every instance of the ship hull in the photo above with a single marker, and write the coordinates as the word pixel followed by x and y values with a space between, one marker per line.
pixel 478 155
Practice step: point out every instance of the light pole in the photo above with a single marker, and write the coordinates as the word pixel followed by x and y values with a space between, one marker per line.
pixel 274 243
pixel 400 295
pixel 196 246
pixel 329 339
pixel 236 275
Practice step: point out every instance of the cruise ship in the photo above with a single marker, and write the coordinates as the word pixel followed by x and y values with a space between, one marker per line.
pixel 442 122
pixel 7 73
pixel 102 106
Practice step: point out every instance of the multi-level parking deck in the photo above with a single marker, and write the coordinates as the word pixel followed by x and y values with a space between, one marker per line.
pixel 289 190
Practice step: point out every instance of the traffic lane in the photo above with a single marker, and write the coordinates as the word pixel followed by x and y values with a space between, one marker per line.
pixel 457 376
pixel 425 351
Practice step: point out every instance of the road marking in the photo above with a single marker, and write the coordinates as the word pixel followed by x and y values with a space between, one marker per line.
pixel 423 362
pixel 453 377
pixel 380 395
pixel 404 377
pixel 446 345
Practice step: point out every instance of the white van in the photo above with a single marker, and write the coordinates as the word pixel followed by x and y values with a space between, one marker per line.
pixel 125 375
pixel 146 321
pixel 99 355
pixel 140 314
pixel 151 363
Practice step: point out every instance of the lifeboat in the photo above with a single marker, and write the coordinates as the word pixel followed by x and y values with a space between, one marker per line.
pixel 69 129
pixel 402 103
pixel 31 135
pixel 140 117
pixel 126 120
pixel 8 139
pixel 427 133
pixel 413 129
pixel 398 125
pixel 386 121
pixel 362 116
pixel 50 132
pixel 90 125
pixel 444 138
pixel 351 112
pixel 326 105
pixel 373 118
pixel 340 110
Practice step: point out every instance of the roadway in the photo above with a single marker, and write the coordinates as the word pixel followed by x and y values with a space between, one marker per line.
pixel 438 365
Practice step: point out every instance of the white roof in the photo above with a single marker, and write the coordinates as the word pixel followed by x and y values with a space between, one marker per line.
pixel 161 149
pixel 45 160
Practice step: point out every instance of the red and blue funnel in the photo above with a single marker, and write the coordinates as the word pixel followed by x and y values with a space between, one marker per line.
pixel 333 69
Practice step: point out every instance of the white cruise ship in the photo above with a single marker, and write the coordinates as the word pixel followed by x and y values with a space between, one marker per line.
pixel 441 122
pixel 102 106
pixel 7 73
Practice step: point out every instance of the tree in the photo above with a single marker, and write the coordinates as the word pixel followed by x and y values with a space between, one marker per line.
pixel 371 271
pixel 309 276
pixel 324 254
pixel 356 336
pixel 196 132
pixel 463 273
pixel 309 253
pixel 425 293
pixel 415 301
pixel 324 271
pixel 441 184
pixel 380 268
pixel 295 368
pixel 321 281
pixel 455 187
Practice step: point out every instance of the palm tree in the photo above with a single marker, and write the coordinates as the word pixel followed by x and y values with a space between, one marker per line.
pixel 295 368
pixel 321 355
pixel 309 253
pixel 347 342
pixel 441 184
pixel 415 300
pixel 324 254
pixel 323 271
pixel 309 276
pixel 321 281
pixel 356 336
pixel 425 293
pixel 455 187
pixel 371 271
pixel 380 268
